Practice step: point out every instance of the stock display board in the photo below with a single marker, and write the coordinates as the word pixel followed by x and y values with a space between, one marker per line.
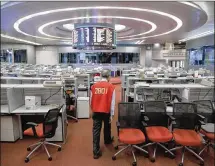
pixel 94 38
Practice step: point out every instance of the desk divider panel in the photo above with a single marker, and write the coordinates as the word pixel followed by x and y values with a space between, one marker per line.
pixel 15 98
pixel 4 100
pixel 201 94
pixel 45 93
pixel 13 81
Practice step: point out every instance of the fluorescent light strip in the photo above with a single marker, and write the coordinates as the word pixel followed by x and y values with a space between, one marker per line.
pixel 40 29
pixel 17 39
pixel 197 36
pixel 18 22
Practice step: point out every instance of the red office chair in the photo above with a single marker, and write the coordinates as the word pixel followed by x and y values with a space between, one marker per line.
pixel 184 132
pixel 128 127
pixel 205 108
pixel 156 126
pixel 44 130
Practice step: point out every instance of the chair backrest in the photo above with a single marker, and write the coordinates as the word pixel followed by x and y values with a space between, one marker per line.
pixel 205 108
pixel 156 112
pixel 129 115
pixel 185 114
pixel 50 122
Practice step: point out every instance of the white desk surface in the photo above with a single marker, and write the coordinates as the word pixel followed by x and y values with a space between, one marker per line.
pixel 40 110
pixel 195 86
pixel 7 85
pixel 35 86
pixel 166 86
pixel 29 78
pixel 4 109
pixel 178 86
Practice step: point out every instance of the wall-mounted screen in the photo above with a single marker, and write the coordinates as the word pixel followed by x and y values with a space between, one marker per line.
pixel 20 56
pixel 209 55
pixel 6 55
pixel 196 57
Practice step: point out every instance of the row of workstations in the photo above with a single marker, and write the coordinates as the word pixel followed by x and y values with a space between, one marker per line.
pixel 135 88
pixel 14 113
pixel 83 82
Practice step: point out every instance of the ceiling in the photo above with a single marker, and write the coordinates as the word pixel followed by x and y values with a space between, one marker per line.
pixel 146 22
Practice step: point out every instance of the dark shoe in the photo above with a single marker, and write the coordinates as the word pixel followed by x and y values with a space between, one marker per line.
pixel 98 155
pixel 110 142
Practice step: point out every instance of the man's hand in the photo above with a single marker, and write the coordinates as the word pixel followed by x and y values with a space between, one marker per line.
pixel 111 119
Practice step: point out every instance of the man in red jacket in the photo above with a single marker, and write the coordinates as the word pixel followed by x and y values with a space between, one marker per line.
pixel 102 105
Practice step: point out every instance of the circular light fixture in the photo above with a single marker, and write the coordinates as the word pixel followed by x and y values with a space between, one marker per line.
pixel 40 29
pixel 69 26
pixel 176 19
pixel 119 27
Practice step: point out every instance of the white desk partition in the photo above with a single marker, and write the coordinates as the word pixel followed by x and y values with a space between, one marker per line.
pixel 52 97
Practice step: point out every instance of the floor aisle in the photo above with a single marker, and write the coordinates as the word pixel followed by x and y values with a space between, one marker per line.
pixel 78 151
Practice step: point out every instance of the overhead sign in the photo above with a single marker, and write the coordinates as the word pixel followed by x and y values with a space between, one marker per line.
pixel 94 38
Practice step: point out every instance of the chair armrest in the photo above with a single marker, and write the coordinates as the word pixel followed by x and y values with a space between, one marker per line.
pixel 202 122
pixel 201 117
pixel 144 123
pixel 146 118
pixel 33 125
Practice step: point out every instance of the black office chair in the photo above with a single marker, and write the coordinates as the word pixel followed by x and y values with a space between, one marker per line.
pixel 44 130
pixel 206 109
pixel 184 129
pixel 129 129
pixel 156 123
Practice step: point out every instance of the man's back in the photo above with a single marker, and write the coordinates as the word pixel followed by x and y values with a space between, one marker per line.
pixel 101 96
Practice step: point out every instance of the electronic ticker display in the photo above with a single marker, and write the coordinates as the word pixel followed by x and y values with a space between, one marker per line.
pixel 94 38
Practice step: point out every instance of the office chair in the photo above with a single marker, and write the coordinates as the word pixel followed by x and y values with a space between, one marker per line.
pixel 184 132
pixel 44 130
pixel 128 128
pixel 156 122
pixel 205 108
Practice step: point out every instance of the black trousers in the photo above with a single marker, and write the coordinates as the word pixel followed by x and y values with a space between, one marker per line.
pixel 98 118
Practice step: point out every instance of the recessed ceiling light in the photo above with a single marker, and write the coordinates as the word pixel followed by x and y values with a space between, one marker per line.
pixel 69 26
pixel 17 39
pixel 176 19
pixel 119 27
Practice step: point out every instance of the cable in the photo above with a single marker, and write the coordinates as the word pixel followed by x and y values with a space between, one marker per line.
pixel 51 96
pixel 207 93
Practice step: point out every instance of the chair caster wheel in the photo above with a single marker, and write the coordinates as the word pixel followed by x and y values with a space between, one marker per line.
pixel 114 158
pixel 116 147
pixel 50 158
pixel 59 149
pixel 28 149
pixel 152 160
pixel 134 163
pixel 202 163
pixel 27 160
pixel 181 164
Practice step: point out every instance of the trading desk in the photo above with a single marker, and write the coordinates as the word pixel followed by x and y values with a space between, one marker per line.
pixel 189 92
pixel 42 110
pixel 13 106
